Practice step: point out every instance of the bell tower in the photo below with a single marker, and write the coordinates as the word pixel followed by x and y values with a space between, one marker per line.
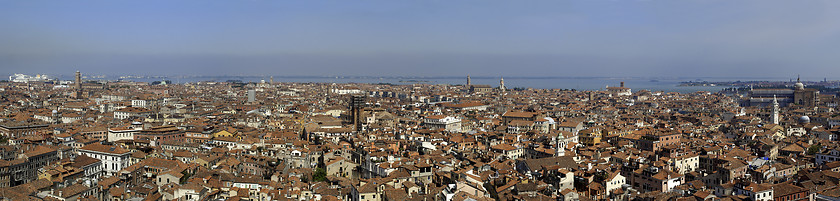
pixel 775 117
pixel 78 84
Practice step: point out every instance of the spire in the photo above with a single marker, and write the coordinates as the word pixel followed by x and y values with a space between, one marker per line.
pixel 775 117
pixel 502 84
pixel 798 85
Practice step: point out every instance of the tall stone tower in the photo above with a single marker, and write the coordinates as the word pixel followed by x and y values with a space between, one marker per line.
pixel 775 117
pixel 78 84
pixel 356 104
pixel 78 80
pixel 252 96
pixel 469 80
pixel 561 151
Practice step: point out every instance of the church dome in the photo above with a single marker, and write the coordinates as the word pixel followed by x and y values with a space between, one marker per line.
pixel 799 86
pixel 550 120
pixel 804 119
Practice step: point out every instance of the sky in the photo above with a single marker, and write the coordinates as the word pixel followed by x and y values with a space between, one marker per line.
pixel 684 38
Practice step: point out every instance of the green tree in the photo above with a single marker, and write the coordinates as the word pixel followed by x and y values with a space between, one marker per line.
pixel 492 190
pixel 813 149
pixel 320 174
pixel 186 177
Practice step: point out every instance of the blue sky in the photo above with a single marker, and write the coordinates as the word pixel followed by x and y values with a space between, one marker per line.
pixel 731 38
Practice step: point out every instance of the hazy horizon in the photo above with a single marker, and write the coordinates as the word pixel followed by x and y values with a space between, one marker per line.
pixel 592 38
pixel 495 77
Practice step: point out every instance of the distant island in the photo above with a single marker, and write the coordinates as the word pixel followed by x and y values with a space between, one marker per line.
pixel 414 81
pixel 760 83
pixel 703 84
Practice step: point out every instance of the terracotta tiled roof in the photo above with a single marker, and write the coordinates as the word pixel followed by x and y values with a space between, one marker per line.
pixel 105 148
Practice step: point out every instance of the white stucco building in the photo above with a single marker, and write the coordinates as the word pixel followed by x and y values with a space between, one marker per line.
pixel 113 158
pixel 447 123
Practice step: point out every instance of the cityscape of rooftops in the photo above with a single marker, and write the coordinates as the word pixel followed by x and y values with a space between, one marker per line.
pixel 378 100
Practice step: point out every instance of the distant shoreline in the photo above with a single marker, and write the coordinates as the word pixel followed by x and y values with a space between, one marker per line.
pixel 762 83
pixel 667 84
pixel 266 76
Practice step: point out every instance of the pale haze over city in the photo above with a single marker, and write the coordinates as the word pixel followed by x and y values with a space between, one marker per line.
pixel 609 38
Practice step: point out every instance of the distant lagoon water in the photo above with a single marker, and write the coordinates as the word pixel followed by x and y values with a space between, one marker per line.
pixel 577 83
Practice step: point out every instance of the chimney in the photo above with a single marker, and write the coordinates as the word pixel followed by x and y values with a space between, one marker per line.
pixel 622 84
